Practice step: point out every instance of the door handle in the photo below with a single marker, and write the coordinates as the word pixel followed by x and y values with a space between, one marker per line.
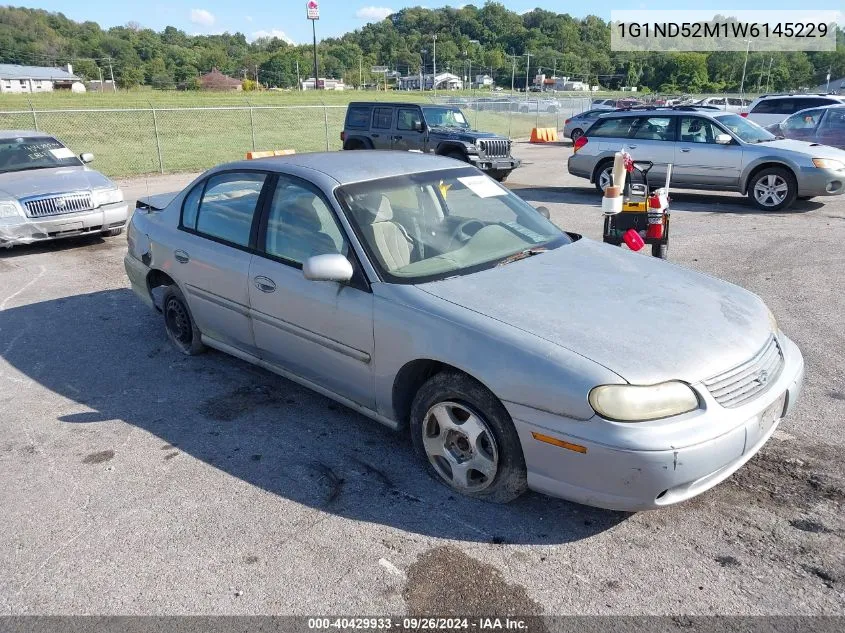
pixel 181 256
pixel 397 138
pixel 374 135
pixel 686 149
pixel 264 284
pixel 632 146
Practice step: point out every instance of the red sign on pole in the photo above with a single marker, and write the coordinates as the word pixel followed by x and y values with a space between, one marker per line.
pixel 313 8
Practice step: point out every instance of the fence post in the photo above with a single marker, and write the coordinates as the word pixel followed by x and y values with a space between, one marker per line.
pixel 510 116
pixel 34 116
pixel 326 122
pixel 158 141
pixel 251 124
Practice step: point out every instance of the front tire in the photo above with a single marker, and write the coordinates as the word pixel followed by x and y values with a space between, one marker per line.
pixel 773 189
pixel 113 232
pixel 660 250
pixel 179 324
pixel 499 176
pixel 467 438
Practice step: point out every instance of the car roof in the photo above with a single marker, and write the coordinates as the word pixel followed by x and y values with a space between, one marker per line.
pixel 7 134
pixel 368 104
pixel 350 166
pixel 672 110
pixel 792 95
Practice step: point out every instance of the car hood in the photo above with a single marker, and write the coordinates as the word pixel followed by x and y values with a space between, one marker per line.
pixel 22 184
pixel 804 147
pixel 641 317
pixel 464 135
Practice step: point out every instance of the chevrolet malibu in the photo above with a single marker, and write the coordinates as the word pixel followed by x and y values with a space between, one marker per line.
pixel 421 293
pixel 47 192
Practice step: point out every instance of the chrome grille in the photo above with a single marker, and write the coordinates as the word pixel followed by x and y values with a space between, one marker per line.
pixel 58 204
pixel 749 379
pixel 495 148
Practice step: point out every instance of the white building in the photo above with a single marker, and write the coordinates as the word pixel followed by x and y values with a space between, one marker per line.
pixel 442 81
pixel 18 79
pixel 323 84
pixel 483 81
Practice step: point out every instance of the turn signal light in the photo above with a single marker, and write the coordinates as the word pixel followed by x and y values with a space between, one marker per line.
pixel 581 142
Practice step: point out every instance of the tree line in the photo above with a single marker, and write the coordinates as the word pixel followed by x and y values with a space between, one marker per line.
pixel 474 40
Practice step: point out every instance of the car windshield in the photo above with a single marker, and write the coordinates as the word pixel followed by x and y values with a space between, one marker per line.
pixel 444 117
pixel 432 225
pixel 746 130
pixel 34 152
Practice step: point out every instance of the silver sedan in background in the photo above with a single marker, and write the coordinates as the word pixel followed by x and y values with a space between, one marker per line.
pixel 47 192
pixel 421 293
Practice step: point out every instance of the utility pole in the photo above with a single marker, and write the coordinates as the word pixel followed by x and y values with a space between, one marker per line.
pixel 360 71
pixel 316 71
pixel 828 79
pixel 434 65
pixel 769 75
pixel 111 73
pixel 298 80
pixel 101 79
pixel 513 71
pixel 527 67
pixel 742 83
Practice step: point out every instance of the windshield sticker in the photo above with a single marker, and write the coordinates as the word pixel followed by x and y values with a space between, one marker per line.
pixel 482 186
pixel 524 232
pixel 444 188
pixel 61 153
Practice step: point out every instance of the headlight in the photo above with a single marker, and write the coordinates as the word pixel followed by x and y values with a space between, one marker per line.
pixel 9 209
pixel 637 403
pixel 773 322
pixel 828 163
pixel 107 196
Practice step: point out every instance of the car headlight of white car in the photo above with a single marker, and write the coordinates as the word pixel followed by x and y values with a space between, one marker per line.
pixel 10 209
pixel 107 196
pixel 638 403
pixel 828 163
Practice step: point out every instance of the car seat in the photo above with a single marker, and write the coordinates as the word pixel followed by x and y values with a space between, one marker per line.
pixel 296 232
pixel 389 239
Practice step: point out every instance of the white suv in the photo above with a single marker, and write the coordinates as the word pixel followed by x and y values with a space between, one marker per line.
pixel 771 109
pixel 728 104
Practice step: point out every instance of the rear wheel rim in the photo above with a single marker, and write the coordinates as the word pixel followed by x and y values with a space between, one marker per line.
pixel 460 446
pixel 604 178
pixel 771 190
pixel 178 322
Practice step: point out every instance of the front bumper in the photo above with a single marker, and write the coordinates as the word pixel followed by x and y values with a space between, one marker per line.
pixel 640 472
pixel 813 181
pixel 494 164
pixel 29 230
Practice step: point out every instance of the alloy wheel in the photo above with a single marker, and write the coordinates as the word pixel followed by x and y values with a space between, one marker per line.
pixel 460 446
pixel 771 190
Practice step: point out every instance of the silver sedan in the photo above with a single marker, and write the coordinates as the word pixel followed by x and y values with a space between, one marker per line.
pixel 421 293
pixel 47 192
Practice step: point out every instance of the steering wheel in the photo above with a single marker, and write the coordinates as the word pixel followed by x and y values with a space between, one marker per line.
pixel 465 230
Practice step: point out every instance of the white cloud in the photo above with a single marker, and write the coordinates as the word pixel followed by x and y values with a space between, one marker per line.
pixel 202 17
pixel 248 18
pixel 373 13
pixel 278 33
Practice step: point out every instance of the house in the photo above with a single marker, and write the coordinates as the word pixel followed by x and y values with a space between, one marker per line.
pixel 215 80
pixel 323 84
pixel 18 79
pixel 483 81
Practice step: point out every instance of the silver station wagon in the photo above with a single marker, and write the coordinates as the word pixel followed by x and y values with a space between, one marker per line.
pixel 419 292
pixel 713 150
pixel 47 192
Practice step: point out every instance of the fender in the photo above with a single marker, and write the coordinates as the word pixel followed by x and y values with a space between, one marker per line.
pixel 462 146
pixel 778 161
pixel 363 139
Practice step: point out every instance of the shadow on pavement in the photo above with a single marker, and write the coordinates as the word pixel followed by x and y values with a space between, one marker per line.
pixel 108 352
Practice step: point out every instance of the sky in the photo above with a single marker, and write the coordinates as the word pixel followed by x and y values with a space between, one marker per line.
pixel 286 18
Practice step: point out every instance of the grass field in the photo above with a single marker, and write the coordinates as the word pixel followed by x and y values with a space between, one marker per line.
pixel 134 133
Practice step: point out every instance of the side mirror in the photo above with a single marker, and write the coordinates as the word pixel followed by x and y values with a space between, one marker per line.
pixel 419 126
pixel 723 139
pixel 544 211
pixel 330 267
pixel 86 157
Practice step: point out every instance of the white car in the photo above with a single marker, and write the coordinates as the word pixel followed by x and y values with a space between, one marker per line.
pixel 603 104
pixel 728 104
pixel 770 109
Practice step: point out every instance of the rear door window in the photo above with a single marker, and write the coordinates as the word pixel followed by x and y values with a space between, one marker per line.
pixel 612 128
pixel 382 118
pixel 654 128
pixel 228 206
pixel 358 117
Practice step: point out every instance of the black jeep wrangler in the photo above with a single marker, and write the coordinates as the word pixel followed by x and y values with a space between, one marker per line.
pixel 438 129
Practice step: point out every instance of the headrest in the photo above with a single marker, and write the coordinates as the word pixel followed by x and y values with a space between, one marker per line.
pixel 385 211
pixel 301 212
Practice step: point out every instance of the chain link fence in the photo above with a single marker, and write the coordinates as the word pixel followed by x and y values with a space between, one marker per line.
pixel 160 139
